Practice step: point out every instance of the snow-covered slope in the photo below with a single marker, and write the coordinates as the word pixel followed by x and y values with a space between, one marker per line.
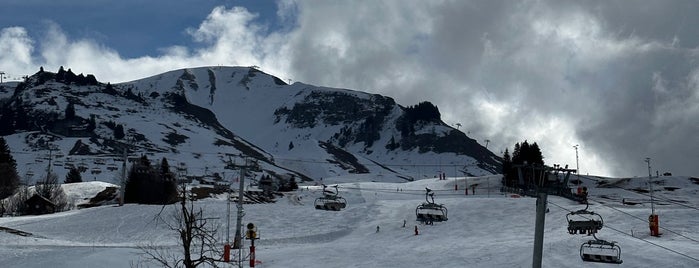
pixel 210 118
pixel 488 229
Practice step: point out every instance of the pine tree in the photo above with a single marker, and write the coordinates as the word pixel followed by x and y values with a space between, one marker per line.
pixel 91 123
pixel 292 184
pixel 70 111
pixel 165 170
pixel 507 169
pixel 516 156
pixel 535 155
pixel 119 132
pixel 9 180
pixel 73 176
pixel 147 185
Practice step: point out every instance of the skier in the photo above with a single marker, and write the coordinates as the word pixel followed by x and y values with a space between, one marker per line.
pixel 377 228
pixel 403 223
pixel 415 229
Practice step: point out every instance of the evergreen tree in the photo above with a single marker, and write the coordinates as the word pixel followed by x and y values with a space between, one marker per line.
pixel 165 173
pixel 536 156
pixel 91 123
pixel 119 132
pixel 291 145
pixel 70 111
pixel 9 180
pixel 109 89
pixel 73 176
pixel 61 75
pixel 524 155
pixel 392 144
pixel 147 185
pixel 70 77
pixel 91 80
pixel 516 157
pixel 507 168
pixel 292 183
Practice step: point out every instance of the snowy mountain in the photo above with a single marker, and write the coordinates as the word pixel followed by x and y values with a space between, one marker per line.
pixel 211 120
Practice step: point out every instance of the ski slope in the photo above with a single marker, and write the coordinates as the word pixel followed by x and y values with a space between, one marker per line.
pixel 488 229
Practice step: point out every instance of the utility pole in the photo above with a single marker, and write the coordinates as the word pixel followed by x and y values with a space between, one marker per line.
pixel 653 219
pixel 577 164
pixel 2 75
pixel 241 212
pixel 539 229
pixel 650 186
pixel 48 168
pixel 237 240
pixel 123 176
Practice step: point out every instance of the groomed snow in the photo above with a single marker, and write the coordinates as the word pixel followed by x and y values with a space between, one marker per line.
pixel 489 229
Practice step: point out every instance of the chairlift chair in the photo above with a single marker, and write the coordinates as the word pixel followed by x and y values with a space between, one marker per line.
pixel 584 222
pixel 429 211
pixel 330 200
pixel 600 251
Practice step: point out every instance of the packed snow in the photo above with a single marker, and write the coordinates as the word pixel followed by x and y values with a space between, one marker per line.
pixel 488 229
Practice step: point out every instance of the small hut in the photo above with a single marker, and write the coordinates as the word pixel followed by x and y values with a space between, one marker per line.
pixel 37 205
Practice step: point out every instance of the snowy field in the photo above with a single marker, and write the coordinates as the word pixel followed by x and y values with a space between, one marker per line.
pixel 488 229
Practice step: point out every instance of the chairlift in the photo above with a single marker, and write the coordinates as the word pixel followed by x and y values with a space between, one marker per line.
pixel 82 167
pixel 429 211
pixel 112 167
pixel 330 200
pixel 601 251
pixel 584 222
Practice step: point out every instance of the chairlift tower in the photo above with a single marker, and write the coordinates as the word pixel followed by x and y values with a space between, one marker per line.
pixel 237 240
pixel 650 186
pixel 653 220
pixel 577 163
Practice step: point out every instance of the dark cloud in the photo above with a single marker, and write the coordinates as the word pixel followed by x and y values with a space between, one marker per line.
pixel 557 72
pixel 619 78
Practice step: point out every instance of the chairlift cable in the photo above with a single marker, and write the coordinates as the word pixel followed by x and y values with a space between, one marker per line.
pixel 647 195
pixel 644 240
pixel 643 220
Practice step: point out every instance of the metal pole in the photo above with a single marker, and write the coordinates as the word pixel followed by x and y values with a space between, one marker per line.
pixel 539 229
pixel 228 216
pixel 577 163
pixel 123 177
pixel 488 178
pixel 650 186
pixel 48 168
pixel 241 213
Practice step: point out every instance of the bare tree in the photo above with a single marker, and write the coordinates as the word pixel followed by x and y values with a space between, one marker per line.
pixel 197 237
pixel 52 190
pixel 15 204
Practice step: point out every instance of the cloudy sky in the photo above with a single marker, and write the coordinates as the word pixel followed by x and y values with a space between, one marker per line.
pixel 618 78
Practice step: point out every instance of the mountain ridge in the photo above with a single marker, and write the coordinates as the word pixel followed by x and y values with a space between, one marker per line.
pixel 218 115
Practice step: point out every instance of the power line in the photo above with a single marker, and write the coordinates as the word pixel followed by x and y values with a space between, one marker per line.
pixel 644 240
pixel 654 197
pixel 643 220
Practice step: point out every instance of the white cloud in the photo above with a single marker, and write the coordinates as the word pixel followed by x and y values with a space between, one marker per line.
pixel 555 73
pixel 15 49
